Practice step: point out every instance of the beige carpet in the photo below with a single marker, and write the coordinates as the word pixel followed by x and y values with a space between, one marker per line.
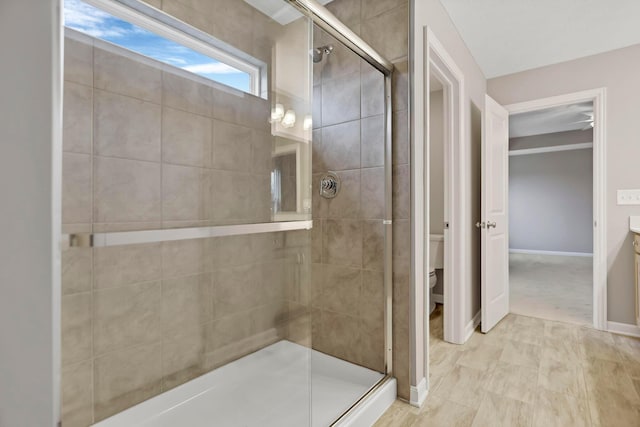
pixel 552 287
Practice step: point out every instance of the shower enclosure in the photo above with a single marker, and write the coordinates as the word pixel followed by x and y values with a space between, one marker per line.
pixel 206 276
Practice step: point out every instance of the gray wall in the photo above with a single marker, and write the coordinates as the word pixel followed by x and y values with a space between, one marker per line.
pixel 550 201
pixel 476 205
pixel 29 169
pixel 436 163
pixel 618 72
pixel 436 172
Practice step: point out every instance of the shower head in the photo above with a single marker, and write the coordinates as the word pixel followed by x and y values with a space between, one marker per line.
pixel 318 52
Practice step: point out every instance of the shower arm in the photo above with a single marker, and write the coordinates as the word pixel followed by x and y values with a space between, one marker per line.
pixel 332 25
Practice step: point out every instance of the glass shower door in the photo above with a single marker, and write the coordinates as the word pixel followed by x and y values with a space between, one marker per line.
pixel 348 250
pixel 180 270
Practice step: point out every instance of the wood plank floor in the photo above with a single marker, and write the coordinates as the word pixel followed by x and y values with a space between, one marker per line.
pixel 528 372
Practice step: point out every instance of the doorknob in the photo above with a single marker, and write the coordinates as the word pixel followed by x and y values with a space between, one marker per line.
pixel 491 224
pixel 480 224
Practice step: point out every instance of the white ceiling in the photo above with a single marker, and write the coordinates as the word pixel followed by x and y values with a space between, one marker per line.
pixel 551 120
pixel 507 36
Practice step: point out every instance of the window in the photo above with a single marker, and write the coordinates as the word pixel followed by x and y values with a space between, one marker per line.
pixel 165 40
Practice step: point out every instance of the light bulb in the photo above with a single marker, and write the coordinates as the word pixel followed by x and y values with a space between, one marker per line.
pixel 277 113
pixel 289 119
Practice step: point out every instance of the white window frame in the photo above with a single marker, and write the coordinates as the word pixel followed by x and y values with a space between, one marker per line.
pixel 164 25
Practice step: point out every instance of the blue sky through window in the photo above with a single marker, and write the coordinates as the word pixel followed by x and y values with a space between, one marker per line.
pixel 99 24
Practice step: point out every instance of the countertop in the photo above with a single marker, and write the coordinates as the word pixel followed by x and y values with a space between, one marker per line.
pixel 634 224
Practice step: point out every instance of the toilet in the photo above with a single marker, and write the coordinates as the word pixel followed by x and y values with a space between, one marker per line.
pixel 436 260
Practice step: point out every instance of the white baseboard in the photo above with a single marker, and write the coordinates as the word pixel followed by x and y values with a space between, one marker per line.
pixel 471 326
pixel 367 412
pixel 537 252
pixel 418 393
pixel 437 298
pixel 624 329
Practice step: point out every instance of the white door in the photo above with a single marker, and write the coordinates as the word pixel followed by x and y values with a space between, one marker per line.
pixel 495 226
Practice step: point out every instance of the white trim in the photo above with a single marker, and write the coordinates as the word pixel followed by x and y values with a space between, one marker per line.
pixel 367 412
pixel 437 298
pixel 551 149
pixel 599 99
pixel 418 394
pixel 289 216
pixel 623 329
pixel 171 234
pixel 442 65
pixel 472 325
pixel 433 57
pixel 538 252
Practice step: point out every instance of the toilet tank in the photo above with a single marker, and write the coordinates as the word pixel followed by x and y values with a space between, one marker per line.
pixel 436 251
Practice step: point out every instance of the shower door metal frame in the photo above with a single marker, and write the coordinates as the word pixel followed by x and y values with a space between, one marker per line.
pixel 332 25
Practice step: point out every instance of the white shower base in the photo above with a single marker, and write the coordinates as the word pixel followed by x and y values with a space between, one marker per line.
pixel 267 388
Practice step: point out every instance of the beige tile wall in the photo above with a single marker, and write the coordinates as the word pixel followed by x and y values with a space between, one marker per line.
pixel 146 148
pixel 348 237
pixel 168 152
pixel 141 319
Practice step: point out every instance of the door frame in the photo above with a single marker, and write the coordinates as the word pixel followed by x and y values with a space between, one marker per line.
pixel 442 66
pixel 439 63
pixel 454 316
pixel 599 97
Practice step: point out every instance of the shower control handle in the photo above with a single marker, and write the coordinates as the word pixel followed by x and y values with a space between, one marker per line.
pixel 480 224
pixel 491 224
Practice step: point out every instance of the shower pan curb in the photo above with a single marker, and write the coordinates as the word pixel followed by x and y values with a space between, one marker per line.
pixel 366 412
pixel 284 383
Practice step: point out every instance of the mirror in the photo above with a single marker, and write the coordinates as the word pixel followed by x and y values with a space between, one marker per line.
pixel 287 198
